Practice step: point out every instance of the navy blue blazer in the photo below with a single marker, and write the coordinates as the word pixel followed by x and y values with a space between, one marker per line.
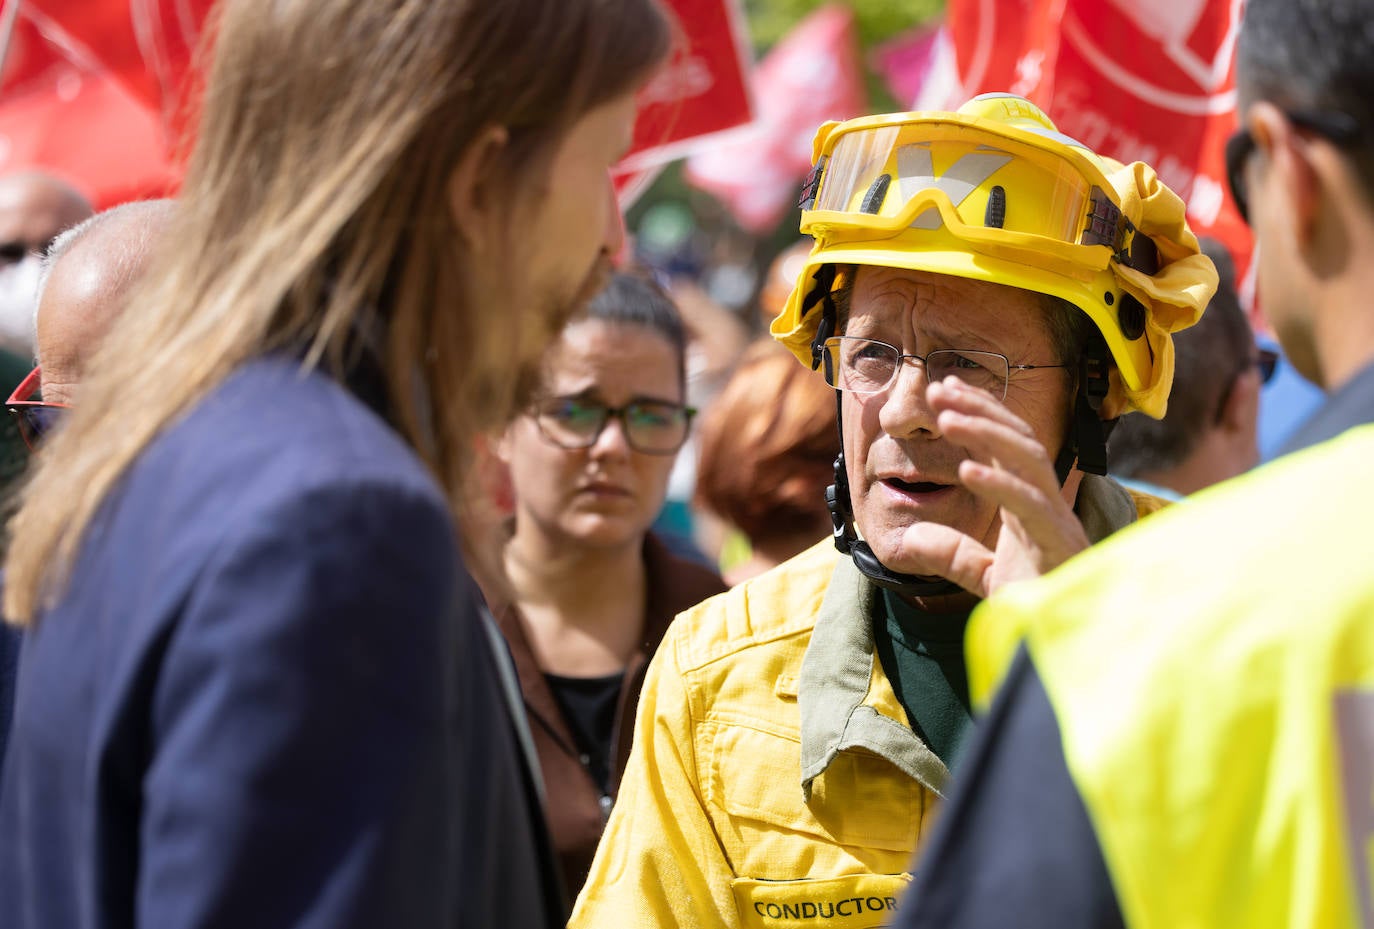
pixel 265 697
pixel 9 667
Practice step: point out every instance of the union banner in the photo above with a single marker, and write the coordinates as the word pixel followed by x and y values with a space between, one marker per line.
pixel 1152 82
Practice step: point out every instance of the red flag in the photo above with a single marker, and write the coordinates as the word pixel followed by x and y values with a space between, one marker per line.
pixel 812 75
pixel 93 90
pixel 701 91
pixel 147 45
pixel 1152 82
pixel 91 131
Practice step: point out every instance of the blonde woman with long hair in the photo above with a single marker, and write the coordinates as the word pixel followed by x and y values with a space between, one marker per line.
pixel 255 687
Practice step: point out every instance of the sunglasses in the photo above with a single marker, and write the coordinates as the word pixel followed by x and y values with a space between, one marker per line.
pixel 32 417
pixel 1333 126
pixel 1267 362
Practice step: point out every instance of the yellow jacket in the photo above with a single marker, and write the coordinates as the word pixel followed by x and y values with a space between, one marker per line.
pixel 775 779
pixel 1212 676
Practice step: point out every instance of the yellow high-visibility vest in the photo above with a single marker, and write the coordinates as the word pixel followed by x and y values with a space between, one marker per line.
pixel 1212 673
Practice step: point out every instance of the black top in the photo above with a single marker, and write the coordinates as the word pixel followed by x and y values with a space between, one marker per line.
pixel 588 705
pixel 923 655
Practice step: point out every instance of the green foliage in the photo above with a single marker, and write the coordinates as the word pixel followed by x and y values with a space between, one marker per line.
pixel 876 20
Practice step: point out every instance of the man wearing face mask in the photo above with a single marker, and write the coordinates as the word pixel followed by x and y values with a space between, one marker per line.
pixel 34 208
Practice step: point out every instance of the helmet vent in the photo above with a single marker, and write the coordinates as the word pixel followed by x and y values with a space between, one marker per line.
pixel 877 193
pixel 996 213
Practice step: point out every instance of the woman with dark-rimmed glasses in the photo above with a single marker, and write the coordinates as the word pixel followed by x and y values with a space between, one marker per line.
pixel 592 590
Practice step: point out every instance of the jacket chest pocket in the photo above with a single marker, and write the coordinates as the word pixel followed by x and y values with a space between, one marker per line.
pixel 862 810
pixel 858 901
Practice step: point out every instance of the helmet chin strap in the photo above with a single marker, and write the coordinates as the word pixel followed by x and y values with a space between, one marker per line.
pixel 1085 444
pixel 848 542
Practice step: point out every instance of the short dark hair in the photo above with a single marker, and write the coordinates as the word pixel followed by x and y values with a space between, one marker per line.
pixel 634 299
pixel 1312 55
pixel 1208 357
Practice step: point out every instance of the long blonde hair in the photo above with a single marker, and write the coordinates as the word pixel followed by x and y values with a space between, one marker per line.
pixel 314 207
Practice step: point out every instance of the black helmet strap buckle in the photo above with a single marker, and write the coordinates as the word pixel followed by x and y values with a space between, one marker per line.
pixel 821 293
pixel 1087 439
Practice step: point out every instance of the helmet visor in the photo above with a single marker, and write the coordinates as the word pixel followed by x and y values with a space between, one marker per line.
pixel 981 185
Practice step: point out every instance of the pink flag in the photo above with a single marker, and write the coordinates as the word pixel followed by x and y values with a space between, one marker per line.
pixel 812 75
pixel 905 62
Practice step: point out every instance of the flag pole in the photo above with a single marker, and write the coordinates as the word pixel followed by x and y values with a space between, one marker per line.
pixel 7 21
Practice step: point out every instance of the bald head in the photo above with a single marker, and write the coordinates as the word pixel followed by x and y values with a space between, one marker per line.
pixel 91 271
pixel 34 208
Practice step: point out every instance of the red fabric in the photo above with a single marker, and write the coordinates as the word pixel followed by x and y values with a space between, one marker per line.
pixel 94 90
pixel 703 88
pixel 1148 81
pixel 90 131
pixel 814 74
pixel 30 59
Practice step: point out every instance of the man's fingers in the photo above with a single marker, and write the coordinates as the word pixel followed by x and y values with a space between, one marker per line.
pixel 1044 520
pixel 995 443
pixel 937 550
pixel 958 397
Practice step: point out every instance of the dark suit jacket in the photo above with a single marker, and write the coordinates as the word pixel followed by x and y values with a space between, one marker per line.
pixel 576 816
pixel 265 697
pixel 9 667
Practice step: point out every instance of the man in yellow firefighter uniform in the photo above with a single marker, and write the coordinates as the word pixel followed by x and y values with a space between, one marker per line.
pixel 984 294
pixel 1194 700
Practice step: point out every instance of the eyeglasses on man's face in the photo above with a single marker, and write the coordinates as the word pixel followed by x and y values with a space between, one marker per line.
pixel 867 366
pixel 654 427
pixel 32 417
pixel 1333 126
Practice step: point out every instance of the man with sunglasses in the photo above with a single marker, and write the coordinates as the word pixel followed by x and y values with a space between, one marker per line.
pixel 83 285
pixel 984 294
pixel 34 208
pixel 1194 701
pixel 1210 431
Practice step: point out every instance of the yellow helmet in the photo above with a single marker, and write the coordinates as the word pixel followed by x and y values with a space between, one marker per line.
pixel 996 193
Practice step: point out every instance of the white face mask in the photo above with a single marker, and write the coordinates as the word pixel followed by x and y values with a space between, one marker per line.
pixel 18 301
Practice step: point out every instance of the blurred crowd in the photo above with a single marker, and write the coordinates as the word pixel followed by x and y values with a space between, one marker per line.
pixel 382 550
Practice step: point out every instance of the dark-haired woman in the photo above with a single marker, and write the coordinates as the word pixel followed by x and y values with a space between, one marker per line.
pixel 593 590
